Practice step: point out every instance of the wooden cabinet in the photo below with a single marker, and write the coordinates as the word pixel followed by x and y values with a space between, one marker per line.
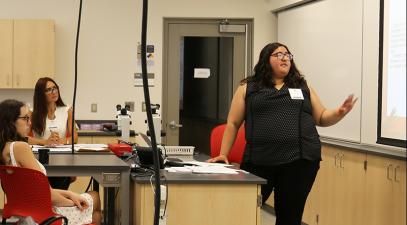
pixel 340 188
pixel 27 52
pixel 356 188
pixel 203 203
pixel 100 139
pixel 386 192
pixel 337 195
pixel 85 139
pixel 104 140
pixel 6 53
pixel 311 211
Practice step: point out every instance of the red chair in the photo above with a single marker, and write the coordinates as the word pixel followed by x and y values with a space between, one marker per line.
pixel 28 194
pixel 236 153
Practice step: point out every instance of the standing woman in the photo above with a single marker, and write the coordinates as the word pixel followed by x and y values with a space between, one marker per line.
pixel 51 122
pixel 280 111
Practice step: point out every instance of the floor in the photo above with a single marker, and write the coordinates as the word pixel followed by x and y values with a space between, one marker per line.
pixel 267 218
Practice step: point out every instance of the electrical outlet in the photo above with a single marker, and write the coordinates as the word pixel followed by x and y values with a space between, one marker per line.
pixel 94 107
pixel 111 178
pixel 143 106
pixel 131 104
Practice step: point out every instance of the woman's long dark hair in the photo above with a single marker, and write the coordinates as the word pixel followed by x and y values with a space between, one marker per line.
pixel 263 73
pixel 40 110
pixel 9 113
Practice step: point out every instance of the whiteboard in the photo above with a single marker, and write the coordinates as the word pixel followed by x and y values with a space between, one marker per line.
pixel 325 38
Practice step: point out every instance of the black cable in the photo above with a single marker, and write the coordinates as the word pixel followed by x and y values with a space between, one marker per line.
pixel 76 77
pixel 165 151
pixel 157 198
pixel 90 183
pixel 142 172
pixel 166 198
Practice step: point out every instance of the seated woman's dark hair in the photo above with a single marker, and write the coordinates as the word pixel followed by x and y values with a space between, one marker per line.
pixel 262 74
pixel 9 113
pixel 40 111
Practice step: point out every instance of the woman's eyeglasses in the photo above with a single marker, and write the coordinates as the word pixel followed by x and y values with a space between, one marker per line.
pixel 51 90
pixel 281 55
pixel 26 118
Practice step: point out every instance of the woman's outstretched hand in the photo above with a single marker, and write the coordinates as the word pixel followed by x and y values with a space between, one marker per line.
pixel 219 158
pixel 347 105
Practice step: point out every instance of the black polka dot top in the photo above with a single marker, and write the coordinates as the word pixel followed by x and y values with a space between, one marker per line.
pixel 279 129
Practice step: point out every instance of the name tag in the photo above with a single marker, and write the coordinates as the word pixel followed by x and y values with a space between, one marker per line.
pixel 296 93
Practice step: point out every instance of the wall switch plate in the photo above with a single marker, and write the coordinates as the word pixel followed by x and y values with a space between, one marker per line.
pixel 94 107
pixel 143 106
pixel 131 104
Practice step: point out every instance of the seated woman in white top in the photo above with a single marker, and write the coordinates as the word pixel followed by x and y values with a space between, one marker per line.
pixel 51 122
pixel 51 119
pixel 14 127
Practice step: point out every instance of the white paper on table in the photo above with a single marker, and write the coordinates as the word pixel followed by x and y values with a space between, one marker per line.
pixel 213 170
pixel 178 169
pixel 77 147
pixel 51 149
pixel 207 164
pixel 91 147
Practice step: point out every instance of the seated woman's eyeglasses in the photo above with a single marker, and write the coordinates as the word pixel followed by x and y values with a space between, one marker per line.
pixel 281 55
pixel 51 90
pixel 26 118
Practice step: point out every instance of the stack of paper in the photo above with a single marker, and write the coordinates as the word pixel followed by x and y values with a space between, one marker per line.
pixel 77 147
pixel 203 167
pixel 91 147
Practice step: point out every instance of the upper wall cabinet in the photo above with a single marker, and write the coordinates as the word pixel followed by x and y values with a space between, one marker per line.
pixel 6 53
pixel 27 52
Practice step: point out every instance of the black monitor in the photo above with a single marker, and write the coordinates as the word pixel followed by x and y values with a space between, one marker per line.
pixel 145 157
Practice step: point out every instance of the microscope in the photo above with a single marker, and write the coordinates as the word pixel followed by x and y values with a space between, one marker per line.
pixel 123 121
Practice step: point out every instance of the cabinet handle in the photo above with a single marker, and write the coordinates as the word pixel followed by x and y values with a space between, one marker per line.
pixel 395 173
pixel 8 80
pixel 341 162
pixel 336 158
pixel 389 167
pixel 18 80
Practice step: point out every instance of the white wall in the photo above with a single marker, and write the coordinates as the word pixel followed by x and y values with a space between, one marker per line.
pixel 110 31
pixel 278 5
pixel 368 100
pixel 330 57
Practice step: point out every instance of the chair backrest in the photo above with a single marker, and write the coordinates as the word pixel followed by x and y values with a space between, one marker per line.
pixel 27 194
pixel 236 153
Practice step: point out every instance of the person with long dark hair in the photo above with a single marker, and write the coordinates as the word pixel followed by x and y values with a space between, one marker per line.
pixel 15 151
pixel 51 122
pixel 281 112
pixel 51 119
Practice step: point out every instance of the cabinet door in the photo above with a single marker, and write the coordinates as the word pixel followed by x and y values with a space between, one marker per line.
pixel 85 140
pixel 385 201
pixel 6 53
pixel 310 215
pixel 399 192
pixel 350 190
pixel 341 186
pixel 34 51
pixel 326 183
pixel 104 139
